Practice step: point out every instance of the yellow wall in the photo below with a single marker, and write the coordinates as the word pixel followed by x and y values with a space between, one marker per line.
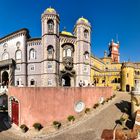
pixel 127 77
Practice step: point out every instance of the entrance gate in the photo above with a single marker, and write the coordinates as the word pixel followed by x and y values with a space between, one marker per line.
pixel 15 112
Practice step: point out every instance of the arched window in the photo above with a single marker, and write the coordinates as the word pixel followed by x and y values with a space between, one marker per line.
pixel 32 82
pixel 18 54
pixel 50 51
pixel 85 33
pixel 50 25
pixel 5 56
pixel 69 52
pixel 86 55
pixel 32 54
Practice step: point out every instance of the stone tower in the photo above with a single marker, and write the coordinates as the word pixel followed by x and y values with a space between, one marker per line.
pixel 82 31
pixel 50 44
pixel 127 76
pixel 114 51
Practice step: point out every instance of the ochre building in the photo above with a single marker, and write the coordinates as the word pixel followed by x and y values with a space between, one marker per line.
pixel 61 58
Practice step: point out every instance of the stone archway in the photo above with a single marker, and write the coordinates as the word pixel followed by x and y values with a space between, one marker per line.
pixel 128 88
pixel 66 81
pixel 5 78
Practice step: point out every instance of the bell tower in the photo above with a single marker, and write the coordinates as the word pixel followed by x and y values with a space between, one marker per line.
pixel 50 44
pixel 82 31
pixel 114 51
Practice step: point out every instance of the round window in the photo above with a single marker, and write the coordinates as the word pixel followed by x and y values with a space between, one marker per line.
pixel 79 106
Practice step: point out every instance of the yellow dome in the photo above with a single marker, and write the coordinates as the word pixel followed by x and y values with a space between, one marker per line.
pixel 83 19
pixel 66 33
pixel 50 10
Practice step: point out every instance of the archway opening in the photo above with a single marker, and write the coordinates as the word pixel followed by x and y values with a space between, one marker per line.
pixel 127 88
pixel 66 81
pixel 5 78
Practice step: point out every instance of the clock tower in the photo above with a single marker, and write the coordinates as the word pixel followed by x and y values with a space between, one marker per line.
pixel 114 51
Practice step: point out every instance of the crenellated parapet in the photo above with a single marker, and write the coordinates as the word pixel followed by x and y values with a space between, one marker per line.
pixel 128 64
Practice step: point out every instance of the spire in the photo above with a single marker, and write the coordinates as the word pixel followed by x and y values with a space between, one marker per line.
pixel 64 29
pixel 105 53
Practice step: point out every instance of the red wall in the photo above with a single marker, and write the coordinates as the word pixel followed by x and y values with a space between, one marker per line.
pixel 45 105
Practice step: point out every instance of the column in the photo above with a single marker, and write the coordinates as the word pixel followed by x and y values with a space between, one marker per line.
pixel 11 75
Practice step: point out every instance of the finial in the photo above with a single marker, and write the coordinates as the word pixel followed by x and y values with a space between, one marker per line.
pixel 64 29
pixel 50 6
pixel 105 53
pixel 112 40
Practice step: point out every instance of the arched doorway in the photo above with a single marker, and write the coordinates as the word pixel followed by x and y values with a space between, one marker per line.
pixel 15 111
pixel 5 78
pixel 127 88
pixel 66 81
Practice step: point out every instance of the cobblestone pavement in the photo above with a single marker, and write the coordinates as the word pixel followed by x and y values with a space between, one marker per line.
pixel 92 128
pixel 88 129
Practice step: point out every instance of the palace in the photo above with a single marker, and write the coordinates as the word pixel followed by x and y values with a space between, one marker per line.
pixel 62 58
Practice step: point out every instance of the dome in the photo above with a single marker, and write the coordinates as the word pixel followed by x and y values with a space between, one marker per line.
pixel 50 11
pixel 83 20
pixel 66 33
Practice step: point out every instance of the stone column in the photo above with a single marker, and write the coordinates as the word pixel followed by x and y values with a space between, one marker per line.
pixel 11 75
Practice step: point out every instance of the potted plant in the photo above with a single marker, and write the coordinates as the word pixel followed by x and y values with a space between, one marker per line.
pixel 57 124
pixel 71 118
pixel 37 126
pixel 95 105
pixel 24 128
pixel 87 110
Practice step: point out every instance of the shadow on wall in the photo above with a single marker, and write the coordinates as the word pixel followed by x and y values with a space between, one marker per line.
pixel 5 124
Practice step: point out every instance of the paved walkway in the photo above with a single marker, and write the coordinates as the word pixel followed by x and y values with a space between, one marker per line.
pixel 89 128
pixel 92 128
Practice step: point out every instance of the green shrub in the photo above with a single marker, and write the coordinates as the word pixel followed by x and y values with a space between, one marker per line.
pixel 87 110
pixel 57 124
pixel 95 105
pixel 107 99
pixel 37 126
pixel 71 118
pixel 24 128
pixel 114 95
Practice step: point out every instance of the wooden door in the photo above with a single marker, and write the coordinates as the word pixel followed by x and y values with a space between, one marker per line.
pixel 15 112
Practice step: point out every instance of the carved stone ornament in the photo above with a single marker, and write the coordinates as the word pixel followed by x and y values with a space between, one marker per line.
pixel 68 63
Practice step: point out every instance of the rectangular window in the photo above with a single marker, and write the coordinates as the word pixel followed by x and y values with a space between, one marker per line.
pixel 49 65
pixel 32 67
pixel 49 82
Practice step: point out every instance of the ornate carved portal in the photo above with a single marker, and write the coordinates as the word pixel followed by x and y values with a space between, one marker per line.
pixel 67 78
pixel 7 68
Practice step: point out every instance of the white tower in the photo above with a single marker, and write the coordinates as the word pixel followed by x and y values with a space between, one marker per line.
pixel 82 31
pixel 50 44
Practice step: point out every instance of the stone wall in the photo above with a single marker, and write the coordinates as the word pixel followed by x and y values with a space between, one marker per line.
pixel 45 105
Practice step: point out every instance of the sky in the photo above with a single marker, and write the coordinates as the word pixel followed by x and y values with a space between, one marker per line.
pixel 110 19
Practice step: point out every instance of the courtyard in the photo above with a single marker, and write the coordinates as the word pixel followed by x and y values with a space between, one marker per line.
pixel 87 128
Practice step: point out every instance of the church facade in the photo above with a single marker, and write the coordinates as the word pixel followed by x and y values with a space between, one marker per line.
pixel 61 58
pixel 55 59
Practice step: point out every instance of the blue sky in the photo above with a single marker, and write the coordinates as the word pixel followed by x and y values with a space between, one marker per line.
pixel 107 17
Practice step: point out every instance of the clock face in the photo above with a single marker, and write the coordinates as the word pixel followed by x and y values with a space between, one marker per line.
pixel 115 49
